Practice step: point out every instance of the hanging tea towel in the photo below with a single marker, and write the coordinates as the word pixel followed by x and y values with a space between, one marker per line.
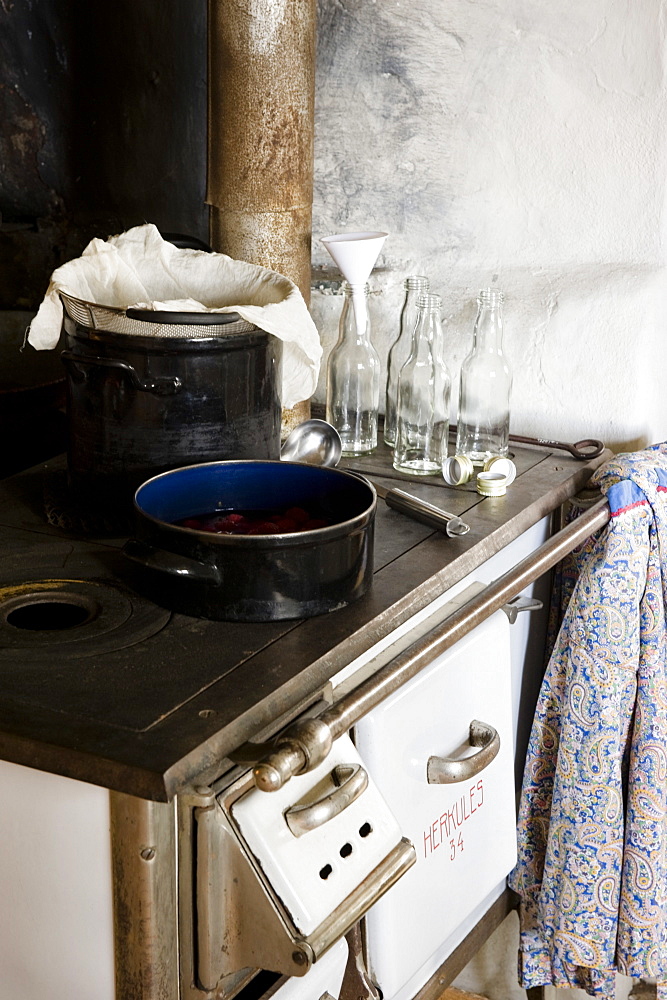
pixel 139 269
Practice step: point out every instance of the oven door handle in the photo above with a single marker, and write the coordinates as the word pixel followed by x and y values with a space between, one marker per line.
pixel 351 780
pixel 447 771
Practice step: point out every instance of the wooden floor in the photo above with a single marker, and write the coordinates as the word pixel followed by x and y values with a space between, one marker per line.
pixel 451 993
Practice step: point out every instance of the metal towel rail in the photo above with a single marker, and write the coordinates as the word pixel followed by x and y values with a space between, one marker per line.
pixel 306 743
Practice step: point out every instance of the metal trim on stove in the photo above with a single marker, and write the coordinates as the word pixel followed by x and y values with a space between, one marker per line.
pixel 291 753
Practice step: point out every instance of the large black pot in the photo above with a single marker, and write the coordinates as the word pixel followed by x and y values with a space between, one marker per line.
pixel 141 404
pixel 32 398
pixel 253 577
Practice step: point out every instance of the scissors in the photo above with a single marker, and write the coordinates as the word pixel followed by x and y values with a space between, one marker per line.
pixel 583 450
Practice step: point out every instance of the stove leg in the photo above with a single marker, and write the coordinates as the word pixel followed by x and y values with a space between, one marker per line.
pixel 537 993
pixel 143 858
pixel 357 984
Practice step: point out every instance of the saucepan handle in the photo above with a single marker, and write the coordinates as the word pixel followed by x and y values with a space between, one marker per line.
pixel 447 770
pixel 425 512
pixel 150 557
pixel 351 780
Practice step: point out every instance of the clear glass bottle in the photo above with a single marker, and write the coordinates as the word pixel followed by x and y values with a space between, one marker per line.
pixel 415 286
pixel 353 377
pixel 485 387
pixel 424 389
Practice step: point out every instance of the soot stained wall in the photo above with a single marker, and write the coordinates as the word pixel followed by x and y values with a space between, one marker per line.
pixel 102 126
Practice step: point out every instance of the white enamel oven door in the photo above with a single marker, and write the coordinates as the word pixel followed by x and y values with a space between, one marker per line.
pixel 463 832
pixel 315 872
pixel 282 876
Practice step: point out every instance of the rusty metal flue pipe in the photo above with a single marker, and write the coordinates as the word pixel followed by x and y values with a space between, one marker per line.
pixel 260 144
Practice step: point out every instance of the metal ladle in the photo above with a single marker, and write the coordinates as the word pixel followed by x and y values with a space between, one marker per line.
pixel 317 442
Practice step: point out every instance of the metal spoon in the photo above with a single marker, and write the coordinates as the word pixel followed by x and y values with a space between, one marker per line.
pixel 317 442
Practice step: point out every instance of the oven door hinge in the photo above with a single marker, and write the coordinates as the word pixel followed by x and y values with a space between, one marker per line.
pixel 238 925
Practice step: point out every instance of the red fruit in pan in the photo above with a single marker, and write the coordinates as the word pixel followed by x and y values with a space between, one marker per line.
pixel 255 522
pixel 230 525
pixel 263 528
pixel 297 514
pixel 285 524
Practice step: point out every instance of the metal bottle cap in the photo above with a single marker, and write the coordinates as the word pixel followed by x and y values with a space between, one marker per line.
pixel 505 466
pixel 457 470
pixel 491 484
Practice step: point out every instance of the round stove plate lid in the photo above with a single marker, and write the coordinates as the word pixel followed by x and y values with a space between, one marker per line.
pixel 71 618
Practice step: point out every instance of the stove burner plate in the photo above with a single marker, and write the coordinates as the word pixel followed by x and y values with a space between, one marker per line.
pixel 71 618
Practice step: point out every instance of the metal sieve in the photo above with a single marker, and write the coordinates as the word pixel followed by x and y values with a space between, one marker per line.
pixel 152 323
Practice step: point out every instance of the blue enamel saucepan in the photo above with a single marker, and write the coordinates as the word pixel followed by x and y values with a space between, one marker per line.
pixel 283 569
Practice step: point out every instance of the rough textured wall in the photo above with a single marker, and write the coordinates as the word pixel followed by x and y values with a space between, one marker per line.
pixel 514 143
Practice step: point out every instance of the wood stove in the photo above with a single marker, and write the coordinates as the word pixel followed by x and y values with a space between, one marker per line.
pixel 131 718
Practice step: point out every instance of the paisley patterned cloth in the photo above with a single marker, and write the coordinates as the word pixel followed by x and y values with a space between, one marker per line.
pixel 592 828
pixel 567 572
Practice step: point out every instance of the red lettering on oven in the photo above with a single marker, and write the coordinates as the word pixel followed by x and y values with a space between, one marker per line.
pixel 442 829
pixel 428 839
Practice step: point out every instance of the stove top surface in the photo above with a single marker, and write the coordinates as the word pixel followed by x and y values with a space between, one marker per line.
pixel 99 683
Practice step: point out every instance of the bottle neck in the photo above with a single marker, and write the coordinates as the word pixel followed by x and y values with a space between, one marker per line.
pixel 428 330
pixel 488 332
pixel 410 314
pixel 412 297
pixel 354 317
pixel 415 287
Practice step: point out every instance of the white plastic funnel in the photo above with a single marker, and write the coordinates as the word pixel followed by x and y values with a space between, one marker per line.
pixel 356 254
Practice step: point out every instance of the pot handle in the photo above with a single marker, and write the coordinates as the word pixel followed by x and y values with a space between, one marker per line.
pixel 351 780
pixel 172 318
pixel 171 563
pixel 163 385
pixel 447 770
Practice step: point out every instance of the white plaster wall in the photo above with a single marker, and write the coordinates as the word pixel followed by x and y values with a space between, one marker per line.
pixel 522 144
pixel 515 143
